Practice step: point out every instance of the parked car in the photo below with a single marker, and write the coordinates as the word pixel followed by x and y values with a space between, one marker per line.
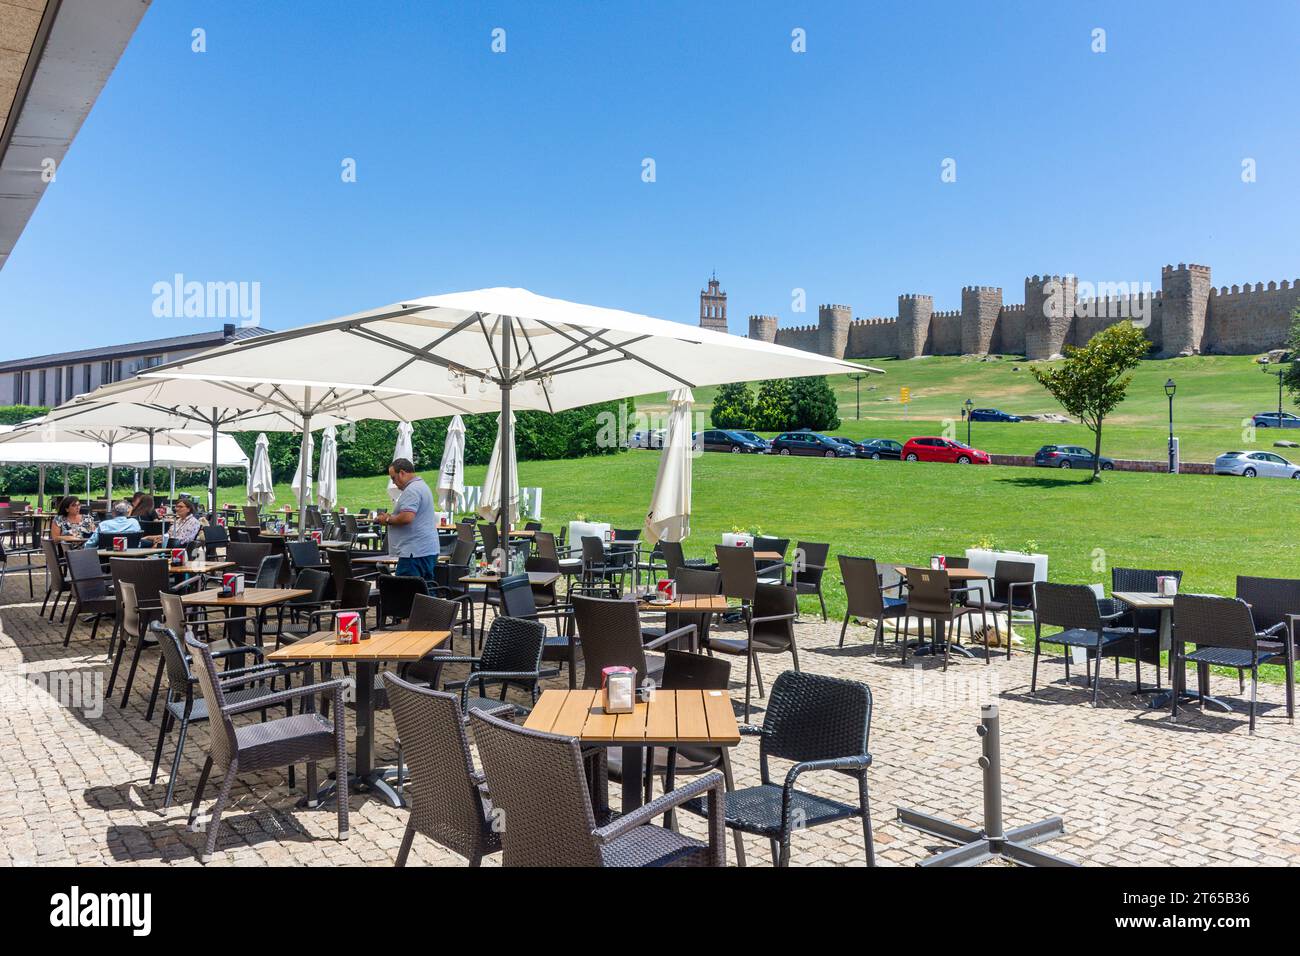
pixel 992 415
pixel 858 450
pixel 1272 420
pixel 883 448
pixel 756 439
pixel 1251 464
pixel 809 443
pixel 1069 456
pixel 717 439
pixel 647 439
pixel 929 448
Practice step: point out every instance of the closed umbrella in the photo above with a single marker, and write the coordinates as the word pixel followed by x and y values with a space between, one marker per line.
pixel 261 484
pixel 403 449
pixel 327 477
pixel 669 518
pixel 451 474
pixel 501 475
pixel 302 477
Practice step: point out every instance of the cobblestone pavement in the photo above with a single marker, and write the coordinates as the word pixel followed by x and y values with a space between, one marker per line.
pixel 1132 786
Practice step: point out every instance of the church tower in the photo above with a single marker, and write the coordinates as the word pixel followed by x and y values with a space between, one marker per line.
pixel 713 306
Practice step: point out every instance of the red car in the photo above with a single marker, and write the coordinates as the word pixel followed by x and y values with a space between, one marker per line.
pixel 943 449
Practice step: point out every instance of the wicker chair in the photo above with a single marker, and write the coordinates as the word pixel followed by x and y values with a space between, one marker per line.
pixel 305 554
pixel 866 601
pixel 1012 590
pixel 429 613
pixel 771 571
pixel 519 600
pixel 820 723
pixel 1075 609
pixel 247 556
pixel 1145 624
pixel 537 781
pixel 396 595
pixel 689 580
pixel 1273 602
pixel 149 577
pixel 601 574
pixel 215 537
pixel 28 565
pixel 91 593
pixel 180 706
pixel 769 630
pixel 306 737
pixel 511 656
pixel 809 567
pixel 56 579
pixel 932 597
pixel 610 633
pixel 1224 632
pixel 445 793
pixel 301 612
pixel 269 571
pixel 675 558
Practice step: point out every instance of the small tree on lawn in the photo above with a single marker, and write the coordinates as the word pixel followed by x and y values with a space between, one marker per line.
pixel 1092 380
pixel 814 403
pixel 772 408
pixel 733 407
pixel 1292 376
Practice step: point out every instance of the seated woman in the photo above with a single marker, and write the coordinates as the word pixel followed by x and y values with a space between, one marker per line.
pixel 142 507
pixel 70 524
pixel 120 523
pixel 184 530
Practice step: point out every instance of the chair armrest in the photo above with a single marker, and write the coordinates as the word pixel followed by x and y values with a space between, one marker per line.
pixel 1269 632
pixel 1011 589
pixel 1114 616
pixel 243 649
pixel 670 637
pixel 292 693
pixel 858 762
pixel 674 798
pixel 772 617
pixel 751 730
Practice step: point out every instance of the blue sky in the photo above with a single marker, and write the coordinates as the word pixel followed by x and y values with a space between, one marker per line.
pixel 781 170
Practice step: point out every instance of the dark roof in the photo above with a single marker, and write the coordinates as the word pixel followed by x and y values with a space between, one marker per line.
pixel 197 340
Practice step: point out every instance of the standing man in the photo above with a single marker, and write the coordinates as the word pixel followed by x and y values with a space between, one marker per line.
pixel 412 529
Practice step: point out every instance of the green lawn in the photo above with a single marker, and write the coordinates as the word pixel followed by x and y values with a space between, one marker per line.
pixel 1211 528
pixel 1215 393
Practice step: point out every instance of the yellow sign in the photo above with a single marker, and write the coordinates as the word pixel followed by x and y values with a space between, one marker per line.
pixel 904 394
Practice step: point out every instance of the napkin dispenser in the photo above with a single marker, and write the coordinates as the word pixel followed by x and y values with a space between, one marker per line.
pixel 232 584
pixel 938 562
pixel 667 589
pixel 618 685
pixel 1166 585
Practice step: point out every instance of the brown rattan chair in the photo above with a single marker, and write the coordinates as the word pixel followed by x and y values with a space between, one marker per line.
pixel 1274 603
pixel 1224 633
pixel 609 630
pixel 866 601
pixel 247 556
pixel 769 630
pixel 1012 587
pixel 306 737
pixel 1075 609
pixel 538 783
pixel 56 579
pixel 807 569
pixel 932 597
pixel 446 795
pixel 91 593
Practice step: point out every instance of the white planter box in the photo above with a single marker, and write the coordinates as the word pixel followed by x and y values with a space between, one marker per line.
pixel 586 529
pixel 738 540
pixel 987 561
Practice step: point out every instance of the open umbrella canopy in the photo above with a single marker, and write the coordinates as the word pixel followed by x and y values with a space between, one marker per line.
pixel 261 484
pixel 451 473
pixel 327 479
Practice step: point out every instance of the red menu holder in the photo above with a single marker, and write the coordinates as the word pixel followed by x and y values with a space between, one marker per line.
pixel 178 557
pixel 348 628
pixel 667 589
pixel 119 543
pixel 316 536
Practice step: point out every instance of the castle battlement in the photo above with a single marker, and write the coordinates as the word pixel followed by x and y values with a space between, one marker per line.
pixel 981 288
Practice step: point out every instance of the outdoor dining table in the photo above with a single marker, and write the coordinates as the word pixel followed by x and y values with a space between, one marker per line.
pixel 257 600
pixel 671 719
pixel 1150 601
pixel 490 580
pixel 938 639
pixel 378 647
pixel 130 552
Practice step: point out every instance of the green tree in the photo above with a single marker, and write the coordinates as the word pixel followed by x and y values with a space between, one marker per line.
pixel 772 406
pixel 1092 380
pixel 813 404
pixel 733 407
pixel 1292 376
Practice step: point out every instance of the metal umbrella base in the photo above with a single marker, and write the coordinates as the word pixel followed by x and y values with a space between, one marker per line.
pixel 980 846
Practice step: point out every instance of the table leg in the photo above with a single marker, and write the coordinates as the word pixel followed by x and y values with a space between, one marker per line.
pixel 632 782
pixel 364 778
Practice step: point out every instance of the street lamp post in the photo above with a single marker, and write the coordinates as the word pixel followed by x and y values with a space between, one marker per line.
pixel 1281 374
pixel 858 377
pixel 1170 388
pixel 969 406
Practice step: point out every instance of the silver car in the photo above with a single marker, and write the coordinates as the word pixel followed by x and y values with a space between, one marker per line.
pixel 1251 464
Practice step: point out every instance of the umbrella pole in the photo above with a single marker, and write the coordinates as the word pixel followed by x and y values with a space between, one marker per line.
pixel 172 495
pixel 212 503
pixel 507 441
pixel 87 486
pixel 40 488
pixel 151 488
pixel 108 483
pixel 304 463
pixel 65 481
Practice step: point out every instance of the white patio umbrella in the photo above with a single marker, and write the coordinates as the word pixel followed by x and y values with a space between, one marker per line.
pixel 451 473
pixel 403 449
pixel 327 478
pixel 502 478
pixel 261 484
pixel 669 517
pixel 302 476
pixel 511 346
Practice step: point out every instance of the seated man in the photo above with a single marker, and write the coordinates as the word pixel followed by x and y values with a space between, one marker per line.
pixel 120 523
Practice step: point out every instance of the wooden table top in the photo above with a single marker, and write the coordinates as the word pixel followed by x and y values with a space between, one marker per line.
pixel 540 578
pixel 129 552
pixel 673 717
pixel 690 604
pixel 768 556
pixel 201 567
pixel 381 646
pixel 1144 600
pixel 252 597
pixel 375 559
pixel 954 574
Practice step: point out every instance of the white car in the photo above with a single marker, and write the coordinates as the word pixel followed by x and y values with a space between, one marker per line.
pixel 1251 464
